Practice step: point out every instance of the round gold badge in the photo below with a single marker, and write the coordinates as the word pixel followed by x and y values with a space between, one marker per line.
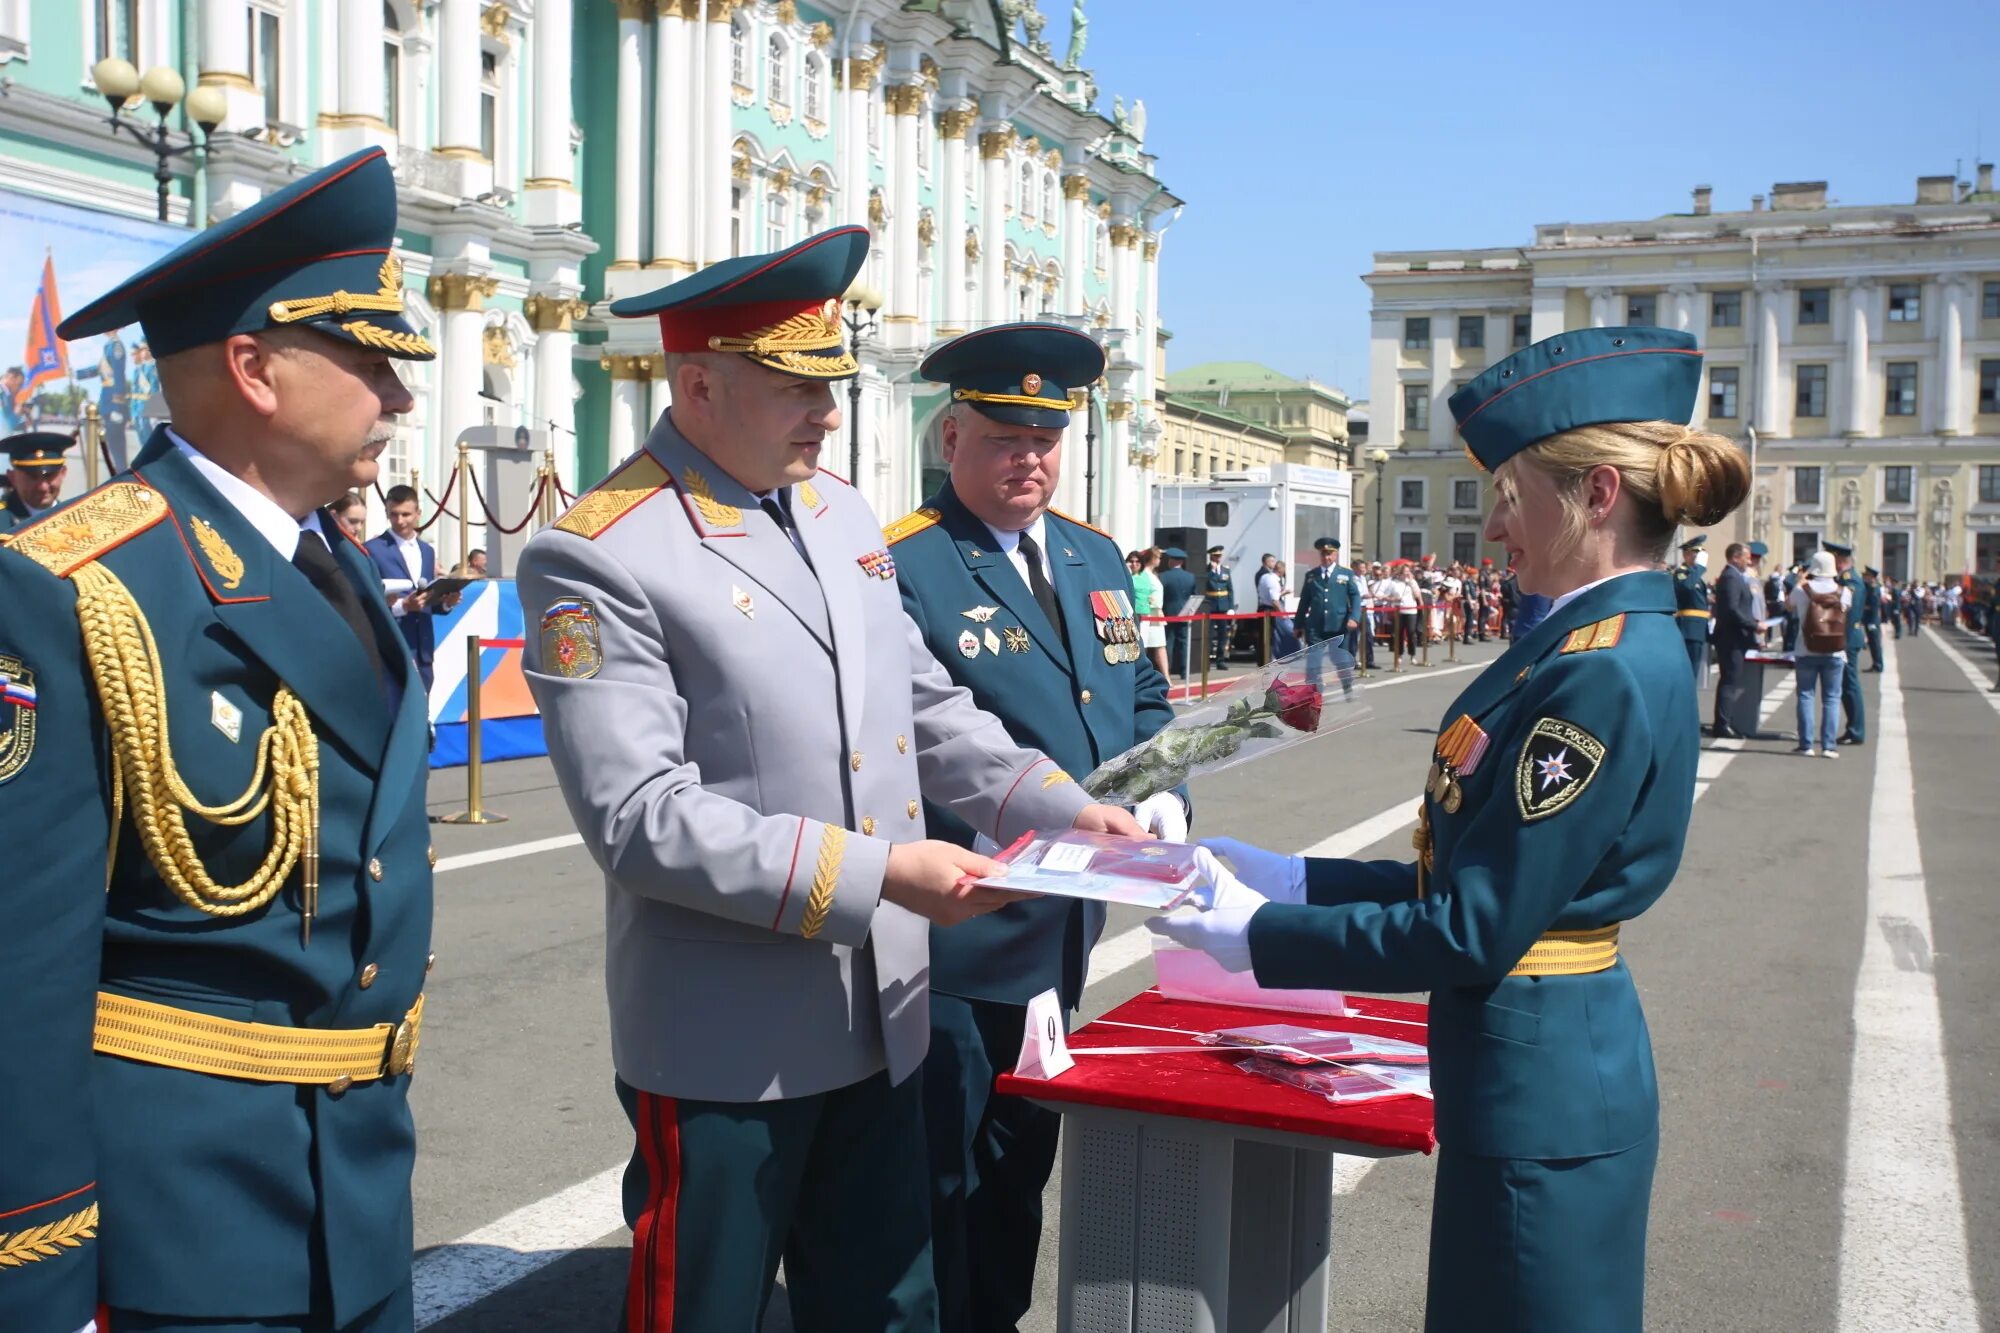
pixel 1031 384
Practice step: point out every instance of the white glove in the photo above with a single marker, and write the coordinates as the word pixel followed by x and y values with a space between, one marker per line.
pixel 1163 816
pixel 1225 892
pixel 1278 877
pixel 1223 935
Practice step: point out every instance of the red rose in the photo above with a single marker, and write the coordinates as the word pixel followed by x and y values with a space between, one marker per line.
pixel 1299 704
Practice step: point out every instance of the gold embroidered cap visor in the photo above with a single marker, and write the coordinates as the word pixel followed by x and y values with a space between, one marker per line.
pixel 782 310
pixel 318 254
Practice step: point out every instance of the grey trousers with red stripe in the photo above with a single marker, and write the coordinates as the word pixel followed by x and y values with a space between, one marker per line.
pixel 834 1184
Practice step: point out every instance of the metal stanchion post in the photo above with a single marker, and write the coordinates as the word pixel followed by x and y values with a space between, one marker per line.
pixel 474 813
pixel 1424 633
pixel 464 500
pixel 1204 655
pixel 91 437
pixel 1268 618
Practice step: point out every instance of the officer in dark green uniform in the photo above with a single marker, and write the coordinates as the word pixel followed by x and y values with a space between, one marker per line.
pixel 1330 614
pixel 35 472
pixel 1853 705
pixel 1031 611
pixel 1176 588
pixel 1871 616
pixel 1555 809
pixel 1218 594
pixel 1691 611
pixel 213 1009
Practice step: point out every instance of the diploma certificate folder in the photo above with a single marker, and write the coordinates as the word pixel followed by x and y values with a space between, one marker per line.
pixel 1133 872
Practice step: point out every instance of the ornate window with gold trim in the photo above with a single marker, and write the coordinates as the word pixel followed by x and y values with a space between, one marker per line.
pixel 266 22
pixel 739 53
pixel 815 87
pixel 777 69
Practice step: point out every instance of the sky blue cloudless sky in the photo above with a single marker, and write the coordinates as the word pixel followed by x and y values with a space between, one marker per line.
pixel 1306 136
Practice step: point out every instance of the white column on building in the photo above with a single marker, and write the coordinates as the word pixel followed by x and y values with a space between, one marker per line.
pixel 550 312
pixel 953 127
pixel 628 158
pixel 904 102
pixel 1601 303
pixel 1076 240
pixel 1444 345
pixel 994 145
pixel 225 60
pixel 1769 352
pixel 1954 295
pixel 673 140
pixel 1680 314
pixel 1114 467
pixel 460 300
pixel 355 120
pixel 458 77
pixel 716 138
pixel 631 380
pixel 550 197
pixel 1547 312
pixel 857 86
pixel 1859 417
pixel 1124 278
pixel 1149 307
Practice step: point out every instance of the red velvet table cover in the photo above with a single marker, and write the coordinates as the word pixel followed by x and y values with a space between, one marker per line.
pixel 1209 1086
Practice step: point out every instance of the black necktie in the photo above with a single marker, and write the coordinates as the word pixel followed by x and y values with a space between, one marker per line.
pixel 784 521
pixel 1038 584
pixel 316 562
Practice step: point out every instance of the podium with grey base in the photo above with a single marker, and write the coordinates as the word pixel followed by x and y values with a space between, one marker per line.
pixel 1197 1197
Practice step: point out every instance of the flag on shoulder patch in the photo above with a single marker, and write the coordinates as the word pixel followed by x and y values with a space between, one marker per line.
pixel 570 645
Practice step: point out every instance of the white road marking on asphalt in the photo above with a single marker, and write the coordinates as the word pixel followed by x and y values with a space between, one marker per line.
pixel 1903 1262
pixel 1963 663
pixel 1121 951
pixel 466 860
pixel 473 1267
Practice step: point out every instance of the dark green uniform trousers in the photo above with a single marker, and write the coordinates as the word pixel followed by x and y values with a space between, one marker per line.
pixel 1853 710
pixel 990 1160
pixel 1526 1246
pixel 718 1192
pixel 395 1315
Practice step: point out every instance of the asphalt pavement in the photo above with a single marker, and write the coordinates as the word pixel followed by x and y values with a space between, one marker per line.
pixel 1768 1209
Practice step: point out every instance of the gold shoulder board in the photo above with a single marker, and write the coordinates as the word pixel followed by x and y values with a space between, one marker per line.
pixel 614 497
pixel 1604 634
pixel 1081 524
pixel 71 538
pixel 909 525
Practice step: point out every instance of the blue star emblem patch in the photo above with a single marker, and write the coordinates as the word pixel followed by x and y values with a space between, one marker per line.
pixel 1557 763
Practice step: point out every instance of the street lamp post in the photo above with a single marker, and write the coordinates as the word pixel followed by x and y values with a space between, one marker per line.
pixel 1380 458
pixel 118 81
pixel 862 303
pixel 1090 453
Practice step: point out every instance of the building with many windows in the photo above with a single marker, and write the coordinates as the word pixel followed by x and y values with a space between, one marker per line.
pixel 1224 416
pixel 557 154
pixel 1853 349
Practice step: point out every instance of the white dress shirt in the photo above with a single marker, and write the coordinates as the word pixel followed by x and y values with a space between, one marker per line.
pixel 1009 544
pixel 259 510
pixel 1574 593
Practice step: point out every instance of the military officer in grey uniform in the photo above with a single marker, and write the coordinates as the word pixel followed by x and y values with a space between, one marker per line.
pixel 742 719
pixel 1032 612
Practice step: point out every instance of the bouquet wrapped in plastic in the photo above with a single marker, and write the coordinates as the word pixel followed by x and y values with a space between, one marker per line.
pixel 1275 708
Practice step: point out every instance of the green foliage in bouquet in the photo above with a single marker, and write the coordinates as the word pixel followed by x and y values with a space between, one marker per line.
pixel 1179 751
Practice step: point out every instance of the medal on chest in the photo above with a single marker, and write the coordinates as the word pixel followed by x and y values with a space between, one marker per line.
pixel 1459 750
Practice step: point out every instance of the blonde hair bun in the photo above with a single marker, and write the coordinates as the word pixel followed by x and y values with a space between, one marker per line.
pixel 1700 478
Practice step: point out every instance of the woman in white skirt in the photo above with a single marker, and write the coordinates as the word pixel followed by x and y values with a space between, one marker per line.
pixel 1146 599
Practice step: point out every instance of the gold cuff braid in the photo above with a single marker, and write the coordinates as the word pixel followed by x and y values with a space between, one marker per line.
pixel 125 661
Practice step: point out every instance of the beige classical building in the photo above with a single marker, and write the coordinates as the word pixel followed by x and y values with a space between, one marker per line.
pixel 1854 350
pixel 1225 416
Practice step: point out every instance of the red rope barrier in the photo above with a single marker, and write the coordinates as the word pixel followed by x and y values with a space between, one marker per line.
pixel 487 509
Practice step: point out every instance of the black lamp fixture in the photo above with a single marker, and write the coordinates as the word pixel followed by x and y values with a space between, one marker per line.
pixel 118 81
pixel 1380 458
pixel 862 302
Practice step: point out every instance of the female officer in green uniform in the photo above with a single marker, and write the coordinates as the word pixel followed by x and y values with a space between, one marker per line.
pixel 1554 810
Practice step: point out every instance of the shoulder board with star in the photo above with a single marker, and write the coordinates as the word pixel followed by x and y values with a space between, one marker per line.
pixel 1081 524
pixel 909 525
pixel 639 480
pixel 75 535
pixel 1603 634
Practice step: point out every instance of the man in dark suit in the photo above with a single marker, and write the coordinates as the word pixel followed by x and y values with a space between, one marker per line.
pixel 1735 633
pixel 1218 591
pixel 408 566
pixel 1176 587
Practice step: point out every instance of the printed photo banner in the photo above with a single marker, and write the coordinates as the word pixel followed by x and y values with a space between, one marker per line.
pixel 510 726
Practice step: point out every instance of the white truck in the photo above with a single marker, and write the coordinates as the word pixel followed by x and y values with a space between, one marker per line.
pixel 1281 510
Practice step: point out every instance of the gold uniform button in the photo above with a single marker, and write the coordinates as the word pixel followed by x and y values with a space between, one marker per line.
pixel 868 824
pixel 912 807
pixel 368 975
pixel 375 868
pixel 434 857
pixel 1085 696
pixel 854 761
pixel 430 963
pixel 340 1085
pixel 902 745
